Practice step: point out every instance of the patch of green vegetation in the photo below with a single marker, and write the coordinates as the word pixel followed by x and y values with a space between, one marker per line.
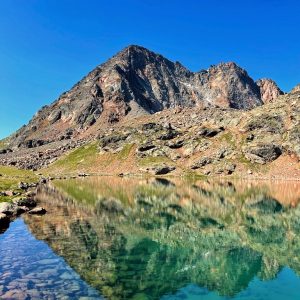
pixel 250 165
pixel 229 138
pixel 10 178
pixel 192 176
pixel 151 160
pixel 124 153
pixel 86 158
pixel 81 158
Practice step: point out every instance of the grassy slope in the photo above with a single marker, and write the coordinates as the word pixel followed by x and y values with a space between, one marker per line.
pixel 88 159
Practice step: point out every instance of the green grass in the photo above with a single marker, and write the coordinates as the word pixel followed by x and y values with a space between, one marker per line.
pixel 87 158
pixel 151 160
pixel 11 177
pixel 79 159
pixel 124 153
pixel 229 138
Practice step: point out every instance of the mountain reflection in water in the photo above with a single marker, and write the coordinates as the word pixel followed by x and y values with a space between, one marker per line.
pixel 152 239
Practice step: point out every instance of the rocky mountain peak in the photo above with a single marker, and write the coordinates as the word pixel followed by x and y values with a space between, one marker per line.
pixel 133 82
pixel 269 90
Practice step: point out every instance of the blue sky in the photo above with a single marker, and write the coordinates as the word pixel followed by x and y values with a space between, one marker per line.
pixel 48 45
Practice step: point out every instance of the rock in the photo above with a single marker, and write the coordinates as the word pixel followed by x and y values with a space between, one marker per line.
pixel 262 153
pixel 201 163
pixel 83 175
pixel 7 208
pixel 175 144
pixel 161 170
pixel 151 126
pixel 43 181
pixel 250 137
pixel 37 211
pixel 269 90
pixel 171 134
pixel 24 201
pixel 146 147
pixel 4 220
pixel 266 123
pixel 230 168
pixel 23 185
pixel 21 209
pixel 296 89
pixel 208 132
pixel 222 153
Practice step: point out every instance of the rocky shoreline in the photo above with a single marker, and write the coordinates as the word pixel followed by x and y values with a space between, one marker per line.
pixel 25 203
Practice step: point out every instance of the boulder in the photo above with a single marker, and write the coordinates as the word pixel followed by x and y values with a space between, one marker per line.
pixel 175 144
pixel 161 170
pixel 37 211
pixel 21 209
pixel 169 135
pixel 24 201
pixel 23 185
pixel 262 153
pixel 146 147
pixel 4 220
pixel 208 132
pixel 7 208
pixel 201 163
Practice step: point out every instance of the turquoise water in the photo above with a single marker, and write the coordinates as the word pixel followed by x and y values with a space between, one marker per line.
pixel 285 286
pixel 116 238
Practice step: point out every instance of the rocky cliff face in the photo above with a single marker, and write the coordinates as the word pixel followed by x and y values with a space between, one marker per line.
pixel 137 81
pixel 296 89
pixel 269 90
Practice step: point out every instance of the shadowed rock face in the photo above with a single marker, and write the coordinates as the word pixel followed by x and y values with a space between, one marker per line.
pixel 269 90
pixel 136 81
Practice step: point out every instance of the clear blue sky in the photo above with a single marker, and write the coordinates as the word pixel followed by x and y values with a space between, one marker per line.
pixel 48 45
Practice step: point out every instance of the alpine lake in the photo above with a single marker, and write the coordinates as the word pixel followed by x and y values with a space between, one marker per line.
pixel 156 238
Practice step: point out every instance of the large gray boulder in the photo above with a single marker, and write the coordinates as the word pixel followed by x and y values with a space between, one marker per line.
pixel 262 153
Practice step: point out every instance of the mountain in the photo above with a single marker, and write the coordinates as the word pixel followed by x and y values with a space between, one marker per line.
pixel 135 82
pixel 269 90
